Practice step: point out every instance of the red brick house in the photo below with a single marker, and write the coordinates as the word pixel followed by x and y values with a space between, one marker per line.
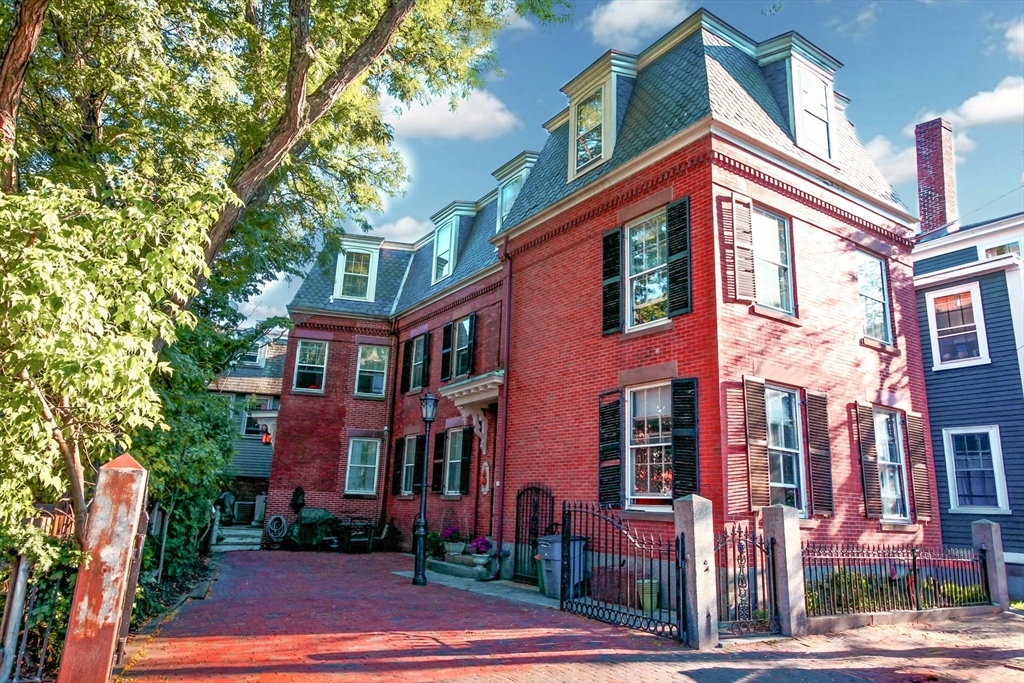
pixel 701 283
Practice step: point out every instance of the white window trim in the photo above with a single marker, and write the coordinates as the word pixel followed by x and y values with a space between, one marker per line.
pixel 789 267
pixel 453 241
pixel 261 356
pixel 801 434
pixel 376 467
pixel 798 109
pixel 448 441
pixel 412 363
pixel 295 370
pixel 627 289
pixel 339 275
pixel 606 136
pixel 979 323
pixel 521 179
pixel 406 463
pixel 905 519
pixel 886 304
pixel 628 456
pixel 1003 507
pixel 387 359
pixel 245 414
pixel 455 348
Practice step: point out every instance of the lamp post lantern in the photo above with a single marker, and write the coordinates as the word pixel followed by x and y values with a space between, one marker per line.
pixel 428 408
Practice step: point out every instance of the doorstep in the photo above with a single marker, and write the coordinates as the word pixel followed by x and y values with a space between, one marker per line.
pixel 505 590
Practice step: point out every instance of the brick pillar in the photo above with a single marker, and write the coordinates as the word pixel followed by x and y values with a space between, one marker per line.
pixel 782 523
pixel 102 583
pixel 693 520
pixel 987 535
pixel 936 179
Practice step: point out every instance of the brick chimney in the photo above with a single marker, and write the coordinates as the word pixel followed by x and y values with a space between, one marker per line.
pixel 936 183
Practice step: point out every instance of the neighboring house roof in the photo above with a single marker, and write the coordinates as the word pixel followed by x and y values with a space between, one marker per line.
pixel 952 228
pixel 317 289
pixel 253 379
pixel 270 386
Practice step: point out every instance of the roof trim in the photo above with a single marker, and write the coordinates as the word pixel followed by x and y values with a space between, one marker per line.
pixel 557 121
pixel 967 270
pixel 401 285
pixel 926 242
pixel 433 298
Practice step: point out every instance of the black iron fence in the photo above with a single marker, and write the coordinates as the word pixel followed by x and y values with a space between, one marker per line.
pixel 614 574
pixel 745 571
pixel 850 579
pixel 535 512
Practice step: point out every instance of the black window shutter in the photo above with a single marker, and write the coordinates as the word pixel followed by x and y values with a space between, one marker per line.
pixel 446 352
pixel 819 453
pixel 611 282
pixel 869 461
pixel 609 466
pixel 685 469
pixel 396 476
pixel 743 247
pixel 407 350
pixel 678 227
pixel 419 462
pixel 426 359
pixel 757 442
pixel 467 456
pixel 471 344
pixel 437 478
pixel 919 466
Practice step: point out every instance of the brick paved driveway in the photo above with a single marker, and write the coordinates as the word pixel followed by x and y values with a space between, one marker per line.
pixel 330 617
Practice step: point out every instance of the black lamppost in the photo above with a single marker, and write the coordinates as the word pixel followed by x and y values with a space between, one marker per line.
pixel 428 408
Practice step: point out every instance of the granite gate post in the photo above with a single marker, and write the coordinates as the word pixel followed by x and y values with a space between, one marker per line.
pixel 693 520
pixel 782 523
pixel 989 536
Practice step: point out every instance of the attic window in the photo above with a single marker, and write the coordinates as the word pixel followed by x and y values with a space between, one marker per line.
pixel 509 192
pixel 256 355
pixel 444 251
pixel 590 129
pixel 813 133
pixel 357 274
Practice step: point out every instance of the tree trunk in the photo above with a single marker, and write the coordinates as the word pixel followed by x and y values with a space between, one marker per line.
pixel 26 26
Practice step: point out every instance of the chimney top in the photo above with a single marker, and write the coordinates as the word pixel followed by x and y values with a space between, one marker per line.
pixel 936 181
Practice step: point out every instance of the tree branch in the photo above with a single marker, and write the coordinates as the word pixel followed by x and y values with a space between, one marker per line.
pixel 26 26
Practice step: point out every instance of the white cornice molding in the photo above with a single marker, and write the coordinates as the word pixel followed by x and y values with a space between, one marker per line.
pixel 968 270
pixel 471 396
pixel 1014 224
pixel 457 208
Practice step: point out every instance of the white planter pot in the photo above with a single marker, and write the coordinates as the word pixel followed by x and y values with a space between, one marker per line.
pixel 455 548
pixel 481 560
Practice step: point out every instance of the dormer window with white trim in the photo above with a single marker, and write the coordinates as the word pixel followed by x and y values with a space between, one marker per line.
pixel 589 129
pixel 509 192
pixel 511 177
pixel 444 251
pixel 357 274
pixel 814 108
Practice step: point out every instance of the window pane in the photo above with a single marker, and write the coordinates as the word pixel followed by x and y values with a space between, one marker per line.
pixel 876 323
pixel 975 472
pixel 453 479
pixel 362 466
pixel 589 115
pixel 442 252
pixel 356 280
pixel 771 256
pixel 771 242
pixel 650 442
pixel 373 358
pixel 312 353
pixel 955 327
pixel 509 192
pixel 1011 248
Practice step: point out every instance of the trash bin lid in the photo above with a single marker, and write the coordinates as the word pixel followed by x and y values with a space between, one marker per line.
pixel 553 538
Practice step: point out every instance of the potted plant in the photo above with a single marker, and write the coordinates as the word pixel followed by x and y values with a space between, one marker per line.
pixel 480 547
pixel 453 541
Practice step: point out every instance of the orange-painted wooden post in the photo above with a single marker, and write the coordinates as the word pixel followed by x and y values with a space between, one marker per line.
pixel 100 590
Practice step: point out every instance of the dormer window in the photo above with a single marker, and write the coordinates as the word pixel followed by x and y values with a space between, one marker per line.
pixel 256 355
pixel 444 251
pixel 357 273
pixel 509 192
pixel 589 124
pixel 814 109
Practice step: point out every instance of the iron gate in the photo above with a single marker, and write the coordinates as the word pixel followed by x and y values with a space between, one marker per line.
pixel 745 564
pixel 535 512
pixel 614 574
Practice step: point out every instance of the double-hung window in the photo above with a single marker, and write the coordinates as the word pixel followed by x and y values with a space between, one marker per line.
pixel 772 261
pixel 362 466
pixel 957 327
pixel 355 279
pixel 444 251
pixel 409 465
pixel 257 355
pixel 974 467
pixel 590 129
pixel 785 447
pixel 462 347
pixel 892 471
pixel 649 466
pixel 814 114
pixel 310 365
pixel 453 462
pixel 874 297
pixel 647 254
pixel 249 426
pixel 416 378
pixel 509 192
pixel 372 370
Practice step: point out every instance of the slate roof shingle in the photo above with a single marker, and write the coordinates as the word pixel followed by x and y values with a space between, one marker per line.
pixel 318 287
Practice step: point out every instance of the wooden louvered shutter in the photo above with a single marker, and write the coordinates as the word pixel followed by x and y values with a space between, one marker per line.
pixel 743 246
pixel 446 351
pixel 437 476
pixel 678 228
pixel 426 359
pixel 407 350
pixel 467 457
pixel 685 466
pixel 919 466
pixel 819 453
pixel 471 344
pixel 757 442
pixel 611 282
pixel 396 471
pixel 869 461
pixel 419 462
pixel 609 465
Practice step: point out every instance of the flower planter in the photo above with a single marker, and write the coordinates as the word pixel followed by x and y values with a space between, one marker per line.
pixel 481 560
pixel 649 590
pixel 455 548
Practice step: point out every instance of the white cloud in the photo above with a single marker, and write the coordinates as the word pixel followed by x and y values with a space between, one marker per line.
pixel 860 24
pixel 481 116
pixel 405 229
pixel 1003 104
pixel 898 165
pixel 626 24
pixel 1015 39
pixel 272 301
pixel 514 22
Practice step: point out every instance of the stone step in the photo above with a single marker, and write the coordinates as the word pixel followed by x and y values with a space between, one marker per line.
pixel 460 570
pixel 239 540
pixel 465 560
pixel 225 548
pixel 241 531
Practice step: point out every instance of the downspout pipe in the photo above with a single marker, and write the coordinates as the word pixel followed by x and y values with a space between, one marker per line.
pixel 388 426
pixel 506 354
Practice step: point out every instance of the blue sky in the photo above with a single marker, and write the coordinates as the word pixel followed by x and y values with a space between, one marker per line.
pixel 905 62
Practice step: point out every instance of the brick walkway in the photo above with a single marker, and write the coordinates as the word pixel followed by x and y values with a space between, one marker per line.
pixel 329 617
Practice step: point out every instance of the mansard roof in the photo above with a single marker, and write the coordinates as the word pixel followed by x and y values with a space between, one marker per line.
pixel 317 290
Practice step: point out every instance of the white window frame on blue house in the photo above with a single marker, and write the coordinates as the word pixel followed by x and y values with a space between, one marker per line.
pixel 1002 499
pixel 974 288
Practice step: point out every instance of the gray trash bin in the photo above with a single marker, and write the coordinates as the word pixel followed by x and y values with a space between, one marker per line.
pixel 550 550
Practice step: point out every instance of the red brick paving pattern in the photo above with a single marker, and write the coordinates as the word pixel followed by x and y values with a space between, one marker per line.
pixel 329 617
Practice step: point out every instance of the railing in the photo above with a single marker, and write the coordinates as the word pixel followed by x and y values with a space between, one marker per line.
pixel 851 579
pixel 745 571
pixel 614 574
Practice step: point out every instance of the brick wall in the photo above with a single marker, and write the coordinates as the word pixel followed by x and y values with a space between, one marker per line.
pixel 936 174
